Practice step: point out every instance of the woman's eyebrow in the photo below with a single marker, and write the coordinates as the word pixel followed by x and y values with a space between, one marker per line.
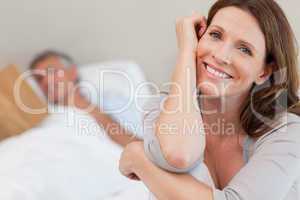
pixel 218 27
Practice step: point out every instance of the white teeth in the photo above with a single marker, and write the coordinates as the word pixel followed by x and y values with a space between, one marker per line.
pixel 216 73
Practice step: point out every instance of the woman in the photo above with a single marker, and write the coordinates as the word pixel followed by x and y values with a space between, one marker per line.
pixel 244 66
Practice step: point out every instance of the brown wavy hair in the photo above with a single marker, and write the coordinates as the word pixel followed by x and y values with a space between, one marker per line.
pixel 278 95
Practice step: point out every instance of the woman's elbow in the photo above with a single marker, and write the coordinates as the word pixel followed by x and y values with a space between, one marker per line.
pixel 178 158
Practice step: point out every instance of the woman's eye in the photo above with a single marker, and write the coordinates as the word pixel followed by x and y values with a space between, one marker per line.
pixel 215 35
pixel 246 50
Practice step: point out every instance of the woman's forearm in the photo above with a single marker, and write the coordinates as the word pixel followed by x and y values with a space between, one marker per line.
pixel 165 185
pixel 182 145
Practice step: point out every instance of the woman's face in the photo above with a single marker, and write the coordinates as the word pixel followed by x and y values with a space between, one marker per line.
pixel 231 54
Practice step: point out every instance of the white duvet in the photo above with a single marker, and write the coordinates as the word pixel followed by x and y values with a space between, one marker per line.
pixel 68 157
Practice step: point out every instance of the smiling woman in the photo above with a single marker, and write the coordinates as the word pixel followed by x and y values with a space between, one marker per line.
pixel 241 66
pixel 258 51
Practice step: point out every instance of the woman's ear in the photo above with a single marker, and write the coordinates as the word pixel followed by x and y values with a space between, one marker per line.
pixel 265 74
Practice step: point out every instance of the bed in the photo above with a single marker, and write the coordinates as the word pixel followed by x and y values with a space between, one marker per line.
pixel 68 156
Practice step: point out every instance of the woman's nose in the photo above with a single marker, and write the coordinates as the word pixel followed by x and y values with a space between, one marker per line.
pixel 222 55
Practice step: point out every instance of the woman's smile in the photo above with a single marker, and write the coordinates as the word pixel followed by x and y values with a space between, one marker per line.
pixel 216 73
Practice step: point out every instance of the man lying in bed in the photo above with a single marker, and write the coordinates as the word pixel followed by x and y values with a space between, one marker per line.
pixel 57 75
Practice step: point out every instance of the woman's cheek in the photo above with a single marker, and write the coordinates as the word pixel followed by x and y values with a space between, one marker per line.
pixel 205 46
pixel 243 78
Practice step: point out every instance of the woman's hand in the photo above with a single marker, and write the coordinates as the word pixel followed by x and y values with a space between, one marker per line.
pixel 130 158
pixel 189 30
pixel 163 184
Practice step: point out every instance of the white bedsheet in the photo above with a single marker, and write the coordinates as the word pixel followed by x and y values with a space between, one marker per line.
pixel 68 157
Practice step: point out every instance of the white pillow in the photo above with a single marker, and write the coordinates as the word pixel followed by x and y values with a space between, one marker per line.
pixel 117 77
pixel 113 86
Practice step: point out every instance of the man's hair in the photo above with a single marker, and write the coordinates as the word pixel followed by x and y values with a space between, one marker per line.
pixel 51 53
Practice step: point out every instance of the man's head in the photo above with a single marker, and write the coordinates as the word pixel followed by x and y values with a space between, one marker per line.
pixel 55 73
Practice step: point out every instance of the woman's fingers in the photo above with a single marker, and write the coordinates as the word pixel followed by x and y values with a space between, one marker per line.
pixel 133 177
pixel 189 30
pixel 199 22
pixel 128 158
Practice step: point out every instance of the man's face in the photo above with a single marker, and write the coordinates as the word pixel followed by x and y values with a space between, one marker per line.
pixel 55 78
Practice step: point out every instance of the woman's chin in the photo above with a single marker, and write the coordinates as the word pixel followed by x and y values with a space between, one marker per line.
pixel 209 91
pixel 215 88
pixel 214 92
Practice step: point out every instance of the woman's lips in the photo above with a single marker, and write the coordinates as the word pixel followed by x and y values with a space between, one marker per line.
pixel 215 72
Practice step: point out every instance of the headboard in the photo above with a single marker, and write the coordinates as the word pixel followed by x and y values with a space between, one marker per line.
pixel 15 115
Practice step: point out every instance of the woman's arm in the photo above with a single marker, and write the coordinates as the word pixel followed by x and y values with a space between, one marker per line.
pixel 271 173
pixel 164 185
pixel 183 141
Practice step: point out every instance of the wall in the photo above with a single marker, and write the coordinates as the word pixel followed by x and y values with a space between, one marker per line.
pixel 96 30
